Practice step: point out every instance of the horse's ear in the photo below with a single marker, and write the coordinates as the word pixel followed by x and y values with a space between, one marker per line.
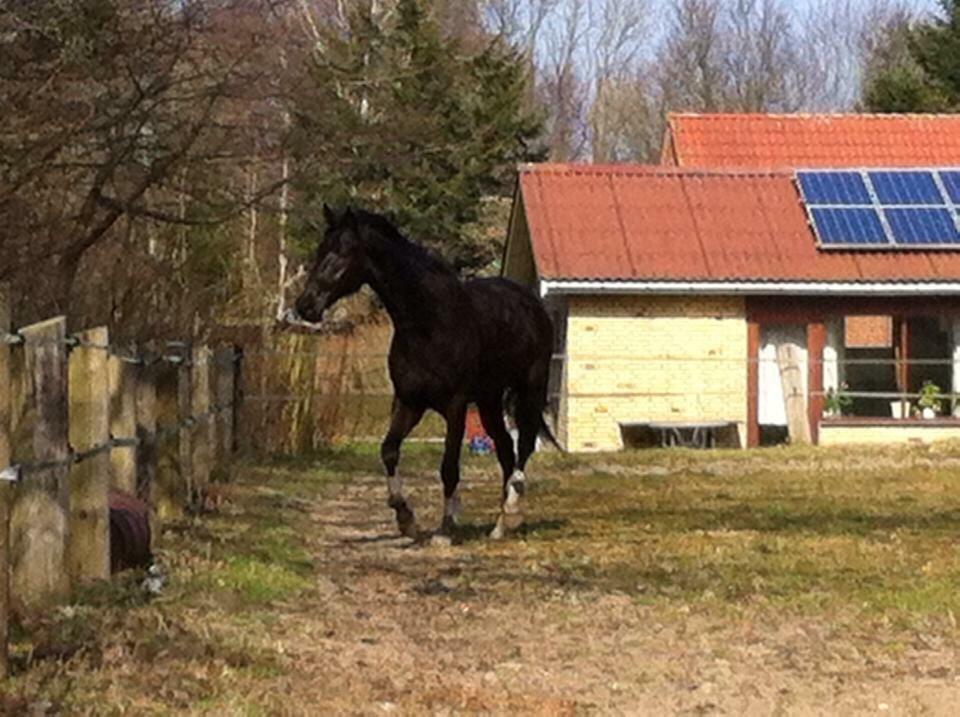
pixel 329 216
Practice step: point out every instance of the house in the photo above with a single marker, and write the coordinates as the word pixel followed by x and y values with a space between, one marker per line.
pixel 693 292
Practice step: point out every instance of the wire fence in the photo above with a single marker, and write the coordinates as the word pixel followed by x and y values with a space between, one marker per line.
pixel 82 418
pixel 127 355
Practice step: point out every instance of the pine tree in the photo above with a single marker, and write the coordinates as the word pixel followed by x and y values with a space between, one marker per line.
pixel 918 68
pixel 401 119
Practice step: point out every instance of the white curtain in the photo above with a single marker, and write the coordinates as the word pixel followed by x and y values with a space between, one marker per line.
pixel 772 410
pixel 832 355
pixel 955 334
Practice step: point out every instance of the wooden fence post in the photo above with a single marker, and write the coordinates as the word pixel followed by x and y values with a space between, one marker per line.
pixel 39 522
pixel 146 401
pixel 185 433
pixel 224 401
pixel 169 492
pixel 89 397
pixel 123 424
pixel 6 400
pixel 201 439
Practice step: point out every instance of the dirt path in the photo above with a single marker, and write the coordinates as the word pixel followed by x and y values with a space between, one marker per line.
pixel 646 584
pixel 438 630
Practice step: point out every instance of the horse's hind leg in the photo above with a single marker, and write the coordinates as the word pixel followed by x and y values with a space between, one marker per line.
pixel 529 416
pixel 455 416
pixel 403 420
pixel 511 510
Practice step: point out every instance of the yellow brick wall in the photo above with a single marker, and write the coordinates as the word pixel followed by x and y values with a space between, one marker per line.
pixel 885 435
pixel 651 358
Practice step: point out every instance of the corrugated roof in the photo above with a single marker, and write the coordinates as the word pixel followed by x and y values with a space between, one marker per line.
pixel 623 222
pixel 768 140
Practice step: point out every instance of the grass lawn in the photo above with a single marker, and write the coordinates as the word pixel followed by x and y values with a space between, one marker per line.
pixel 777 580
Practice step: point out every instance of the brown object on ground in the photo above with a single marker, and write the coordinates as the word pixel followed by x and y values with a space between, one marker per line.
pixel 129 532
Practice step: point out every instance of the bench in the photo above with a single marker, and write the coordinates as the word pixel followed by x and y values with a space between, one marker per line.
pixel 686 434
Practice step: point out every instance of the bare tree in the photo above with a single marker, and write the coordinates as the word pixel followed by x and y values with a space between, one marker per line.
pixel 615 48
pixel 760 57
pixel 840 39
pixel 692 57
pixel 562 87
pixel 114 104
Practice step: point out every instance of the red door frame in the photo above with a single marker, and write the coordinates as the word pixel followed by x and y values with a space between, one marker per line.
pixel 813 311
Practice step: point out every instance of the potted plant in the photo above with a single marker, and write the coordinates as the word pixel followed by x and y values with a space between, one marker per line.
pixel 929 400
pixel 836 402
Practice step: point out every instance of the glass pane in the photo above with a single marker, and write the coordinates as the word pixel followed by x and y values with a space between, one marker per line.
pixel 906 188
pixel 833 188
pixel 848 227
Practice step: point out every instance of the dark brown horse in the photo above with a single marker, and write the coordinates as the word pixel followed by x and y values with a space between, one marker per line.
pixel 454 343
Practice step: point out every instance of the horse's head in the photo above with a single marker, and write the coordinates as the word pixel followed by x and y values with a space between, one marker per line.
pixel 338 269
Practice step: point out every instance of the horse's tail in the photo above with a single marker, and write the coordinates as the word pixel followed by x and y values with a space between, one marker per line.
pixel 548 434
pixel 510 398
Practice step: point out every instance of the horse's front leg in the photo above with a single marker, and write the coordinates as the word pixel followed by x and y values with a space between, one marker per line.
pixel 455 415
pixel 403 420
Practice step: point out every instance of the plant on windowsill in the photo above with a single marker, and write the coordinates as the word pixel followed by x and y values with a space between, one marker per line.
pixel 929 400
pixel 836 402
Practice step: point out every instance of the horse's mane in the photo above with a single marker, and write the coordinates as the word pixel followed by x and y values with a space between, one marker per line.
pixel 415 253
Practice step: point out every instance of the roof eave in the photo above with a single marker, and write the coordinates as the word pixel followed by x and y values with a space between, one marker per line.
pixel 743 288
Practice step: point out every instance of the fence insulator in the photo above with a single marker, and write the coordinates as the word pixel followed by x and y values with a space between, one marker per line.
pixel 10 474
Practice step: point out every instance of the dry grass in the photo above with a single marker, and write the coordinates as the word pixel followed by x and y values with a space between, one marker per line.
pixel 782 580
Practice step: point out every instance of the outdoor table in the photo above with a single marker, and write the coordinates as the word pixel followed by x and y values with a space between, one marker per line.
pixel 688 434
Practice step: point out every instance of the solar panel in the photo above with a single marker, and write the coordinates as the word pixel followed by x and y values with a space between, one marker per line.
pixel 905 188
pixel 951 182
pixel 849 226
pixel 833 188
pixel 916 226
pixel 883 209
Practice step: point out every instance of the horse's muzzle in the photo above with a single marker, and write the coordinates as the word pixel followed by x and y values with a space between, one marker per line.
pixel 309 309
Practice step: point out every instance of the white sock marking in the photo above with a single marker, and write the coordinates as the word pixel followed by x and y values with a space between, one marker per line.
pixel 512 503
pixel 451 507
pixel 395 488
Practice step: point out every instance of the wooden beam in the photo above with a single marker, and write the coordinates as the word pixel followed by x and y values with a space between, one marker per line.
pixel 6 490
pixel 89 396
pixel 39 520
pixel 753 384
pixel 789 360
pixel 146 405
pixel 168 494
pixel 202 438
pixel 816 340
pixel 225 382
pixel 123 424
pixel 903 345
pixel 185 434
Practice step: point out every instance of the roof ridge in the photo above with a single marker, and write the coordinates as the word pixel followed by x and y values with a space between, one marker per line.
pixel 647 170
pixel 812 115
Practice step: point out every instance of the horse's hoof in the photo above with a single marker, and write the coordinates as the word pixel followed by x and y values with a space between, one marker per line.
pixel 507 523
pixel 448 525
pixel 512 521
pixel 407 522
pixel 440 540
pixel 409 529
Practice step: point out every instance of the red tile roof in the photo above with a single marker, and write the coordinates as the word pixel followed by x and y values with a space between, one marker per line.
pixel 752 141
pixel 623 222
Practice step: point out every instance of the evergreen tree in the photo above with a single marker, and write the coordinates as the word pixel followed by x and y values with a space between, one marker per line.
pixel 917 69
pixel 398 118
